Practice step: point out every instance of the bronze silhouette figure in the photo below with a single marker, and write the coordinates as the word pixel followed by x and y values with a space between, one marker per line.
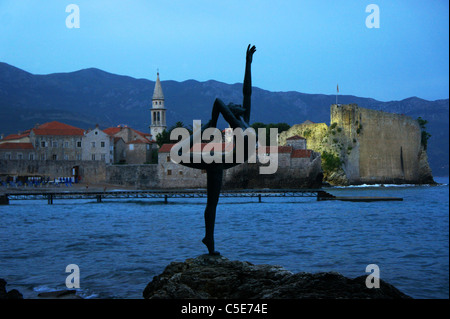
pixel 237 116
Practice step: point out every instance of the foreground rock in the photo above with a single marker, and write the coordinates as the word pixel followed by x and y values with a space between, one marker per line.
pixel 60 294
pixel 12 294
pixel 217 277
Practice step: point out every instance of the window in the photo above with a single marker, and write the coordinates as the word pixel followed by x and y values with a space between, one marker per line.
pixel 66 157
pixel 31 156
pixel 66 144
pixel 93 157
pixel 19 156
pixel 78 157
pixel 180 173
pixel 78 144
pixel 93 144
pixel 169 172
pixel 96 132
pixel 55 144
pixel 168 158
pixel 54 157
pixel 103 157
pixel 43 144
pixel 36 144
pixel 42 157
pixel 131 147
pixel 8 156
pixel 102 144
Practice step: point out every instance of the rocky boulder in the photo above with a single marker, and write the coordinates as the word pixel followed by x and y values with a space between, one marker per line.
pixel 12 294
pixel 211 277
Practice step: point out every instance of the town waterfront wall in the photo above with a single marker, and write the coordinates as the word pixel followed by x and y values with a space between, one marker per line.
pixel 302 173
pixel 135 175
pixel 89 171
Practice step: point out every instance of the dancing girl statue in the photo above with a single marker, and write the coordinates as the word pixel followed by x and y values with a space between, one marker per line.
pixel 237 116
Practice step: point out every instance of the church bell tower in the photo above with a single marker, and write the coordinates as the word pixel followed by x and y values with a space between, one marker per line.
pixel 158 111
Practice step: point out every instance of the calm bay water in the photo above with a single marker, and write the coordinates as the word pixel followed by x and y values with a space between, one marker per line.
pixel 119 245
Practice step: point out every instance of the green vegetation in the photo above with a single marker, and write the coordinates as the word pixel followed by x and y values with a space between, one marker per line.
pixel 330 162
pixel 164 137
pixel 280 126
pixel 332 126
pixel 425 135
pixel 339 129
pixel 307 133
pixel 154 159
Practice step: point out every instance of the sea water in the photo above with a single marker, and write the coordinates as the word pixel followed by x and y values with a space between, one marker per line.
pixel 119 245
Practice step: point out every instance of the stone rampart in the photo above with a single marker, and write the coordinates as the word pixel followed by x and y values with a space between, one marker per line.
pixel 139 175
pixel 373 146
pixel 90 171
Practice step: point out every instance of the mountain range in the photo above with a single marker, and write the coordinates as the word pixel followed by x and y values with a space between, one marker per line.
pixel 91 96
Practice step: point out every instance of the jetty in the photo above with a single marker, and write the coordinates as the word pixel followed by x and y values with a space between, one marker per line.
pixel 167 194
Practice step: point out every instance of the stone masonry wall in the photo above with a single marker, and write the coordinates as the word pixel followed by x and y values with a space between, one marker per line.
pixel 374 146
pixel 139 176
pixel 90 171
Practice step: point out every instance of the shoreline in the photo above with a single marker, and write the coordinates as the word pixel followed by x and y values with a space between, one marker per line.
pixel 105 187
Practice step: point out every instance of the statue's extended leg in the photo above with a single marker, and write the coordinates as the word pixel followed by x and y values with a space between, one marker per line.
pixel 214 184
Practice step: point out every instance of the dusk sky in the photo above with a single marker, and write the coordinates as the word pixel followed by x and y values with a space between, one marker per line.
pixel 305 46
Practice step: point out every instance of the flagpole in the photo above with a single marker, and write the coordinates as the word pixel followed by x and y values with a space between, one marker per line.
pixel 337 92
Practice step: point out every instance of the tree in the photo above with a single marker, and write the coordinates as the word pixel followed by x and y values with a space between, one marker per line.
pixel 164 136
pixel 280 126
pixel 330 162
pixel 425 136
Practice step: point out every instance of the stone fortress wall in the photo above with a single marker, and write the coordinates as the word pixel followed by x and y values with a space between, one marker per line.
pixel 374 146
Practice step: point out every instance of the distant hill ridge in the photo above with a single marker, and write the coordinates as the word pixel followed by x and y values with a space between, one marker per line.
pixel 91 96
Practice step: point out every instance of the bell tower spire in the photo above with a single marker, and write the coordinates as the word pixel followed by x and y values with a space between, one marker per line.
pixel 158 110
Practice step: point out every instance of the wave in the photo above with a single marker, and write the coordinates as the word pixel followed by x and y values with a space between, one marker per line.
pixel 85 294
pixel 389 185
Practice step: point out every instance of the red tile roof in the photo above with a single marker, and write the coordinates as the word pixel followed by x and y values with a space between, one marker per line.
pixel 165 148
pixel 17 136
pixel 58 128
pixel 146 135
pixel 296 137
pixel 277 149
pixel 301 153
pixel 224 146
pixel 16 146
pixel 117 129
pixel 112 130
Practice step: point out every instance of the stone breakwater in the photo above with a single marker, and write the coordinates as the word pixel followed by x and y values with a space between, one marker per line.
pixel 216 277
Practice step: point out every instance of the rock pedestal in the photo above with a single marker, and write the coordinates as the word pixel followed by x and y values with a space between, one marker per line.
pixel 216 277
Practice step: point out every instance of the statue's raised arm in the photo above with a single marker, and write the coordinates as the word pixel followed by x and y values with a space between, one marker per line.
pixel 247 87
